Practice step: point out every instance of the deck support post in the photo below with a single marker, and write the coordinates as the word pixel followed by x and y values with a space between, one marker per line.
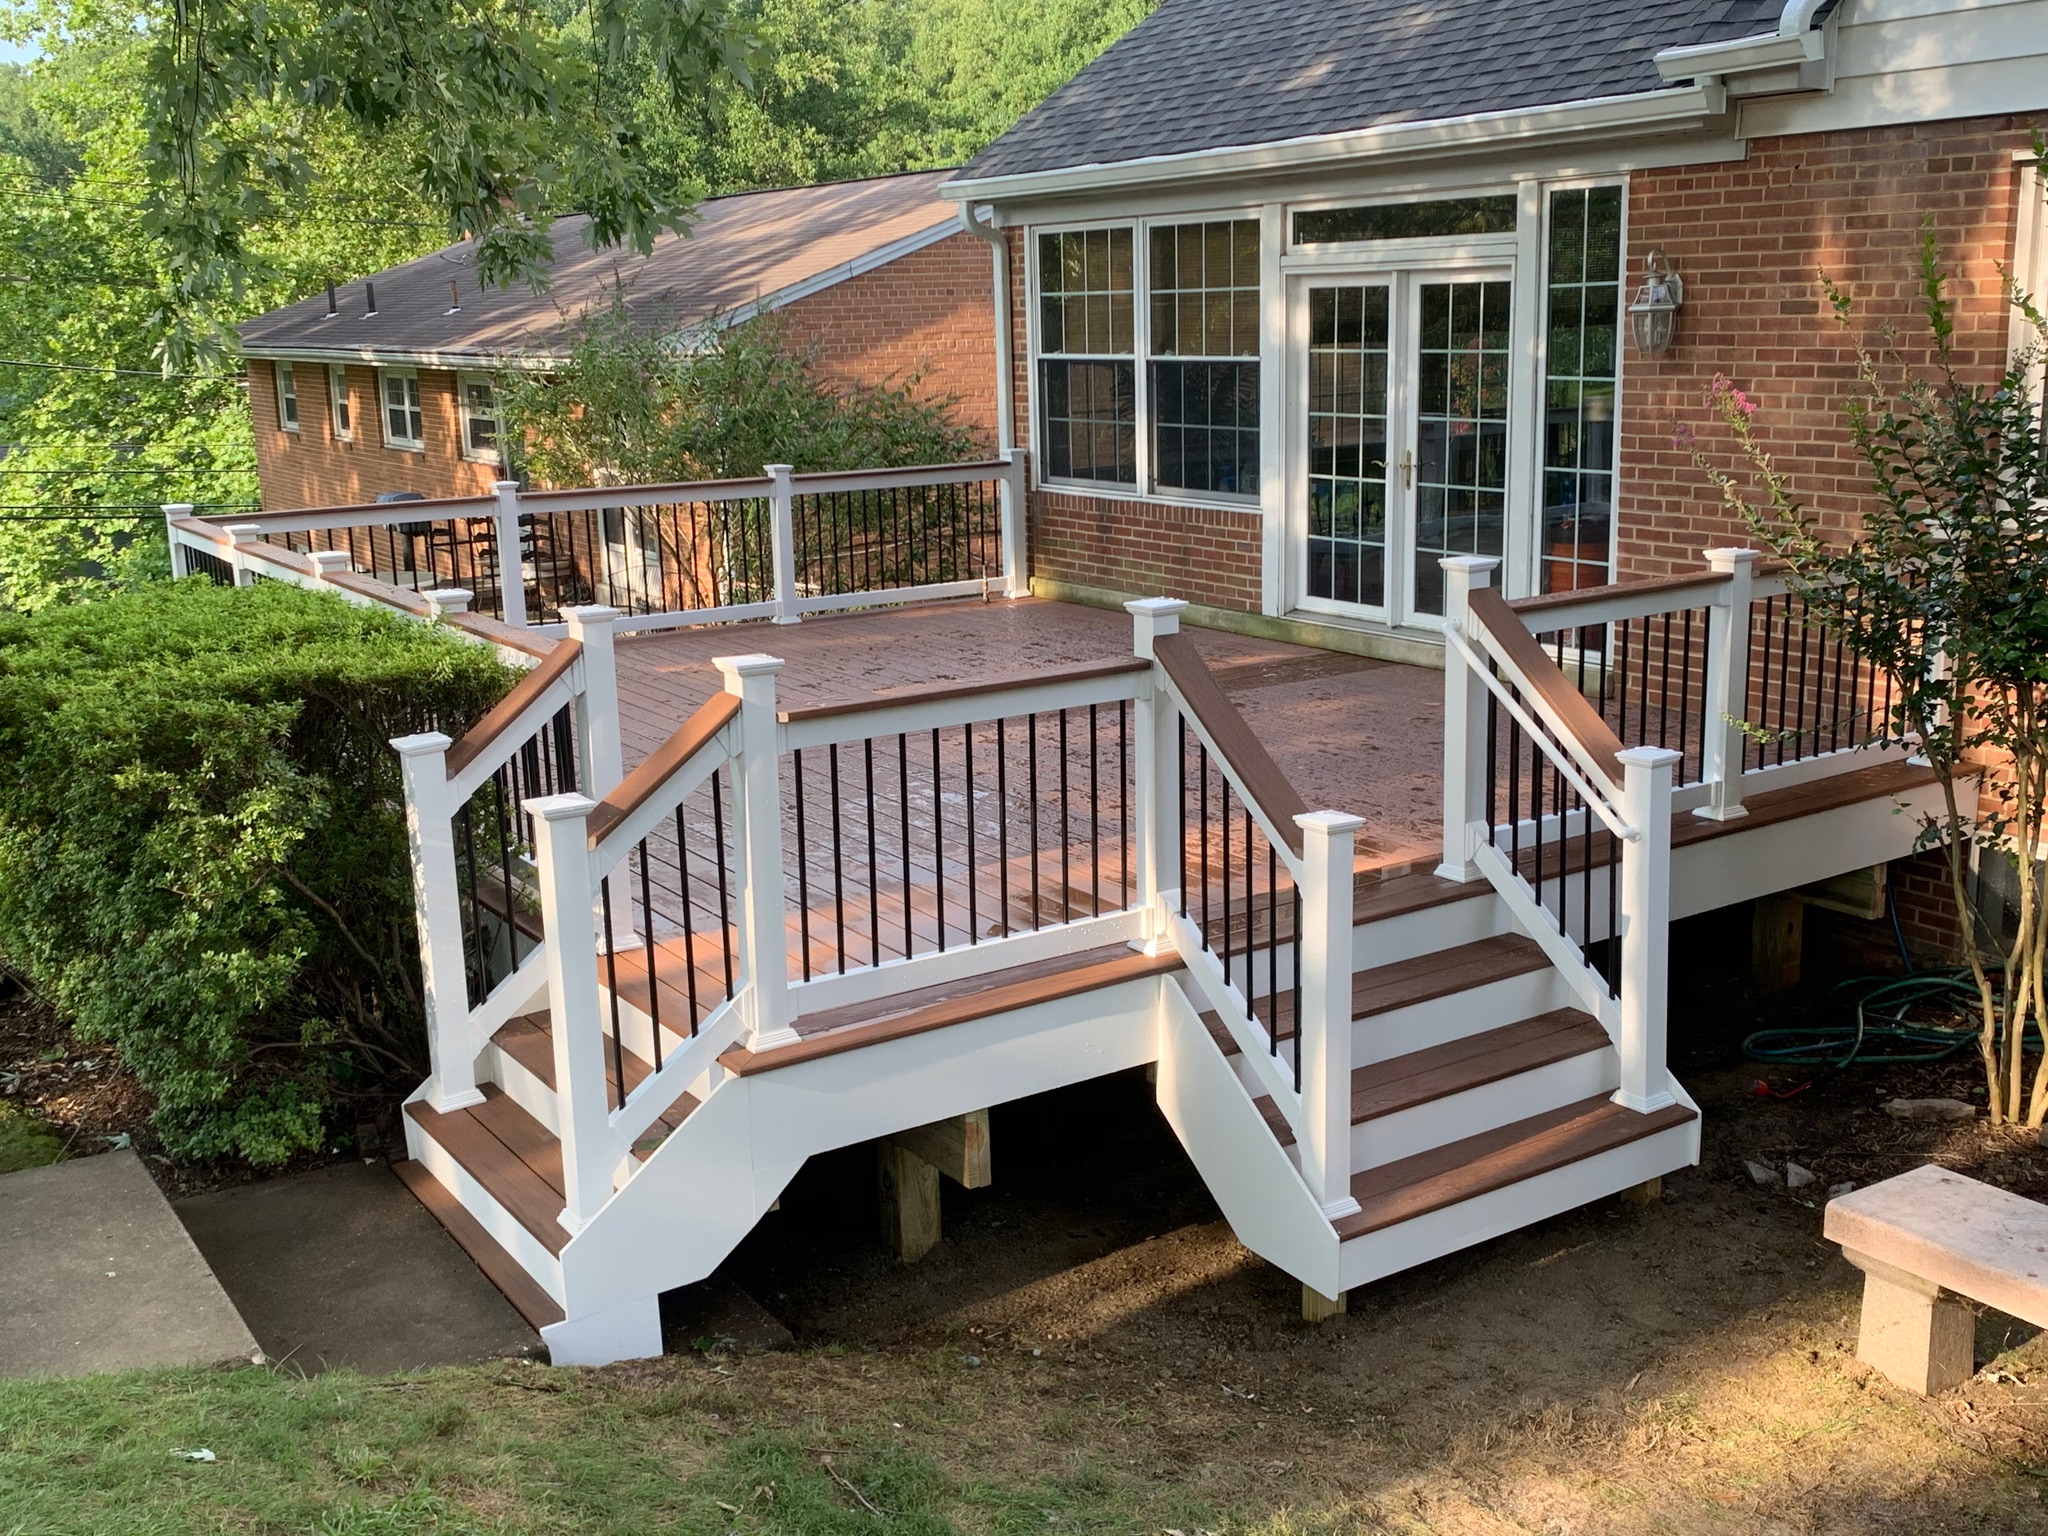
pixel 1318 1308
pixel 958 1148
pixel 1727 683
pixel 1322 1034
pixel 1465 699
pixel 1777 936
pixel 1156 773
pixel 561 848
pixel 597 701
pixel 909 1188
pixel 1645 928
pixel 757 784
pixel 1010 501
pixel 511 561
pixel 437 918
pixel 782 541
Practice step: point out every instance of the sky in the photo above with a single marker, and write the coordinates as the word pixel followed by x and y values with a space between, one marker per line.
pixel 15 53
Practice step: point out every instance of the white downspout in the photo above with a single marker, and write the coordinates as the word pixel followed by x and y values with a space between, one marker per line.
pixel 1006 423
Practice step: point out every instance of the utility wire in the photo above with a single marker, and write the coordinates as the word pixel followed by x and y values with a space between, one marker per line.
pixel 137 373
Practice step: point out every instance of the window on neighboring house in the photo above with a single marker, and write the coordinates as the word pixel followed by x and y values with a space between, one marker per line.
pixel 1088 407
pixel 1204 293
pixel 479 419
pixel 287 397
pixel 337 401
pixel 1581 358
pixel 404 422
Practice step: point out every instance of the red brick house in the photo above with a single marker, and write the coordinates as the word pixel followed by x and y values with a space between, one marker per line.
pixel 1303 298
pixel 389 389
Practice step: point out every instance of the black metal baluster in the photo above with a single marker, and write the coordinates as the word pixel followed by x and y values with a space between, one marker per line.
pixel 1003 820
pixel 1066 831
pixel 725 933
pixel 938 844
pixel 903 810
pixel 689 912
pixel 803 861
pixel 838 860
pixel 653 981
pixel 973 870
pixel 604 890
pixel 1202 763
pixel 1094 810
pixel 1031 788
pixel 1123 804
pixel 874 889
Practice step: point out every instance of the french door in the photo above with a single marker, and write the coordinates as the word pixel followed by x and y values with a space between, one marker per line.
pixel 1400 428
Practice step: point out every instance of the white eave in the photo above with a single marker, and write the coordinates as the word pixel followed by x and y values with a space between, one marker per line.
pixel 1797 45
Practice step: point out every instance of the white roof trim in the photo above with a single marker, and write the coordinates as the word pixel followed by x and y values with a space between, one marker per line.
pixel 1795 42
pixel 1673 109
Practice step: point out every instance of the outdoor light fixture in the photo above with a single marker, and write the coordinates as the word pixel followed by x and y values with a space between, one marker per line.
pixel 1653 318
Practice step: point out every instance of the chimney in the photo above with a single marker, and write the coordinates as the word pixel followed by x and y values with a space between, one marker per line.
pixel 454 300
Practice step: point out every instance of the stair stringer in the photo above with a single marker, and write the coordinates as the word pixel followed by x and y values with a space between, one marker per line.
pixel 1269 1208
pixel 714 1177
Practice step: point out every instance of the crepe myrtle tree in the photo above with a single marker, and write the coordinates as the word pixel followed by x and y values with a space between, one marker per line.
pixel 1944 589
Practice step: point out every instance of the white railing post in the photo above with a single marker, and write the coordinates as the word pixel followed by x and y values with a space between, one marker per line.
pixel 445 601
pixel 764 943
pixel 437 917
pixel 1010 498
pixel 511 565
pixel 561 849
pixel 173 510
pixel 244 534
pixel 782 541
pixel 1156 773
pixel 1727 683
pixel 330 563
pixel 1645 928
pixel 1323 1032
pixel 597 704
pixel 1464 722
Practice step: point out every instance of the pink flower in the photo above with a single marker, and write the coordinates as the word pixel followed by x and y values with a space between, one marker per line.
pixel 1682 435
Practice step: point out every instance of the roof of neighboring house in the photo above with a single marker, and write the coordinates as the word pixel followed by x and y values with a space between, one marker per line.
pixel 1212 74
pixel 746 250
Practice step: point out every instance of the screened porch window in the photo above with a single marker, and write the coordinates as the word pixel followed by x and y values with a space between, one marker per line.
pixel 1204 289
pixel 1087 355
pixel 1579 388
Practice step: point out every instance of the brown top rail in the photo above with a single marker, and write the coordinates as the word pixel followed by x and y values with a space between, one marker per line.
pixel 1538 606
pixel 898 697
pixel 1573 711
pixel 659 765
pixel 427 510
pixel 530 687
pixel 1262 779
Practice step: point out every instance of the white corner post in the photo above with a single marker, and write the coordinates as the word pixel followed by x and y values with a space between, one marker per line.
pixel 597 702
pixel 330 563
pixel 764 944
pixel 437 917
pixel 561 851
pixel 511 564
pixel 1323 1032
pixel 244 534
pixel 1464 722
pixel 173 511
pixel 1156 772
pixel 1012 504
pixel 447 601
pixel 1727 683
pixel 782 540
pixel 1645 928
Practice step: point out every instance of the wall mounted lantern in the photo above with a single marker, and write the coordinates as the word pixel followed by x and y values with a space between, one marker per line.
pixel 1653 318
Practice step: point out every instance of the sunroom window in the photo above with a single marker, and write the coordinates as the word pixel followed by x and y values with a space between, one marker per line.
pixel 1204 344
pixel 1087 381
pixel 1579 388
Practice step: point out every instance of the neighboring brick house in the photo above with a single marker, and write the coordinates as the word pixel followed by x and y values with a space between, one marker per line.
pixel 1302 298
pixel 875 276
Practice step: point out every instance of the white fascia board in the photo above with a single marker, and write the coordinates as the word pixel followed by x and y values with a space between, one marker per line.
pixel 1674 109
pixel 380 357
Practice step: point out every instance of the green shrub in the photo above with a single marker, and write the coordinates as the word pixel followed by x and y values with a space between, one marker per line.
pixel 202 844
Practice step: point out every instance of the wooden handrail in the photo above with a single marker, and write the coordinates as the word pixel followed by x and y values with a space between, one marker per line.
pixel 1260 777
pixel 508 709
pixel 896 698
pixel 1690 581
pixel 659 765
pixel 1569 708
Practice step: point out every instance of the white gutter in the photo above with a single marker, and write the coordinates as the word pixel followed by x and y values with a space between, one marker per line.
pixel 1675 109
pixel 1796 44
pixel 1006 425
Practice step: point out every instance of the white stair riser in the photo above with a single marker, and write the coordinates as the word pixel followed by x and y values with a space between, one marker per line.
pixel 523 1088
pixel 525 1250
pixel 1424 932
pixel 1389 1138
pixel 636 1029
pixel 1383 1036
pixel 1393 1249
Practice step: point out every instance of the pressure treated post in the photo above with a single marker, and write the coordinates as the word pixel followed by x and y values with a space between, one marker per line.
pixel 782 540
pixel 764 944
pixel 1323 1032
pixel 561 850
pixel 1010 497
pixel 437 919
pixel 1464 722
pixel 1727 683
pixel 1645 928
pixel 597 704
pixel 511 562
pixel 173 512
pixel 1156 773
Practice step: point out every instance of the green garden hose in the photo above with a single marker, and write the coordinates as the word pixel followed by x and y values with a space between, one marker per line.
pixel 1882 1033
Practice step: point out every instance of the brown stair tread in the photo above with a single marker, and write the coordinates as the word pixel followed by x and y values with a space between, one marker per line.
pixel 499 1267
pixel 958 1002
pixel 475 1142
pixel 529 1040
pixel 1424 978
pixel 1463 1170
pixel 1472 1061
pixel 1375 897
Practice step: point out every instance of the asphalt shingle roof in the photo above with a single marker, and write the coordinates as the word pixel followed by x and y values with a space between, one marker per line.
pixel 739 249
pixel 1214 74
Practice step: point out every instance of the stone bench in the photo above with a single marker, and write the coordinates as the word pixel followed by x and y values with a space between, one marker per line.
pixel 1925 1241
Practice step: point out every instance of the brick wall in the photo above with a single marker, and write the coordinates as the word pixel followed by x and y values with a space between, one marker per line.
pixel 313 468
pixel 1750 239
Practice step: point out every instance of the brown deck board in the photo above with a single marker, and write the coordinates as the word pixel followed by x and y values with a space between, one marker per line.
pixel 506 1176
pixel 1424 978
pixel 524 1137
pixel 499 1267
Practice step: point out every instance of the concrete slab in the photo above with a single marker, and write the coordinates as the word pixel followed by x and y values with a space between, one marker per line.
pixel 98 1275
pixel 342 1267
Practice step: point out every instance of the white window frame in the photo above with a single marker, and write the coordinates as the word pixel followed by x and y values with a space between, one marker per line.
pixel 495 453
pixel 2030 261
pixel 1148 471
pixel 287 390
pixel 417 408
pixel 1134 490
pixel 340 409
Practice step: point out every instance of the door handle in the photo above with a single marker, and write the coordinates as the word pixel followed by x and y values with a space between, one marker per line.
pixel 1408 469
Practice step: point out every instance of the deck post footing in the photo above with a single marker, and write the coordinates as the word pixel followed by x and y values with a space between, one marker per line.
pixel 1318 1308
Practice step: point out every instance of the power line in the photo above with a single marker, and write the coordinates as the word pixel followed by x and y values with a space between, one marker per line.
pixel 122 506
pixel 140 469
pixel 137 373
